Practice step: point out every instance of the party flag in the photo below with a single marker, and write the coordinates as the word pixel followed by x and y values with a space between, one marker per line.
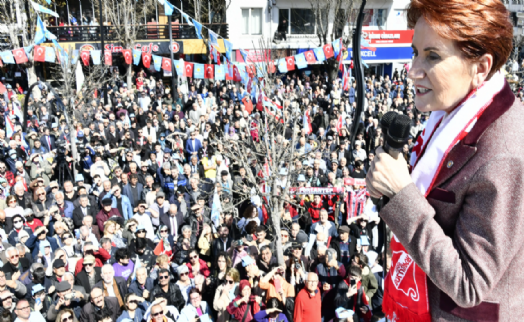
pixel 209 71
pixel 300 60
pixel 199 71
pixel 9 127
pixel 74 57
pixel 271 67
pixel 188 20
pixel 40 31
pixel 179 66
pixel 50 54
pixel 28 49
pixel 337 45
pixel 282 65
pixel 229 47
pixel 213 38
pixel 168 8
pixel 198 28
pixel 157 60
pixel 7 57
pixel 95 55
pixel 220 73
pixel 43 9
pixel 236 74
pixel 136 56
pixel 319 52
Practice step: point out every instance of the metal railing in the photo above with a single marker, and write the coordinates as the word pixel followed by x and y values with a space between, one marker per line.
pixel 145 32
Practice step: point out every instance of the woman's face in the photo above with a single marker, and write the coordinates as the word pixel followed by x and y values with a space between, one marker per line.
pixel 221 263
pixel 246 291
pixel 111 229
pixel 440 70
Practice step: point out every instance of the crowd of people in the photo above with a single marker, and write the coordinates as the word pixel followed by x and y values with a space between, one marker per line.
pixel 130 237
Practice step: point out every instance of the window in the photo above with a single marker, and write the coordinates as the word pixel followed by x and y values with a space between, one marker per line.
pixel 380 17
pixel 252 21
pixel 302 21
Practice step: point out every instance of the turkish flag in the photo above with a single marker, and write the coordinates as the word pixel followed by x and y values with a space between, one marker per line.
pixel 108 57
pixel 328 51
pixel 251 70
pixel 20 56
pixel 128 56
pixel 166 64
pixel 85 57
pixel 271 68
pixel 146 59
pixel 236 74
pixel 188 69
pixel 39 54
pixel 209 71
pixel 290 63
pixel 310 57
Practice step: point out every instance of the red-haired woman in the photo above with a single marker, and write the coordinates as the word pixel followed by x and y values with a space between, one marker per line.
pixel 458 218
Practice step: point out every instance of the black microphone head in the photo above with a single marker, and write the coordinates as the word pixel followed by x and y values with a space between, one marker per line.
pixel 398 133
pixel 386 121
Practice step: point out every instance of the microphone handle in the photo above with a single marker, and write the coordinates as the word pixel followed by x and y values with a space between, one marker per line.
pixel 395 154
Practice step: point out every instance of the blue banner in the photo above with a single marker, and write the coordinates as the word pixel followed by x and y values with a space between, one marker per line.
pixel 300 61
pixel 282 65
pixel 168 8
pixel 95 55
pixel 198 28
pixel 213 38
pixel 43 9
pixel 137 54
pixel 179 66
pixel 40 31
pixel 7 57
pixel 384 53
pixel 336 46
pixel 157 61
pixel 229 47
pixel 198 71
pixel 28 50
pixel 50 54
pixel 319 52
pixel 220 73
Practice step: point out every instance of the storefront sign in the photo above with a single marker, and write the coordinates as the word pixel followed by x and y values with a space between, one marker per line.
pixel 157 48
pixel 384 37
pixel 383 54
pixel 254 56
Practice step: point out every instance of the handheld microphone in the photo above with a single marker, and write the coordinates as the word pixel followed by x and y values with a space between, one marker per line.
pixel 397 135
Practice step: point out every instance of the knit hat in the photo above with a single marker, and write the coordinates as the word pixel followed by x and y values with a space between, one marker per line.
pixel 242 284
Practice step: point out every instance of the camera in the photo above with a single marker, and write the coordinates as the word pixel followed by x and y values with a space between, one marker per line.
pixel 69 296
pixel 297 264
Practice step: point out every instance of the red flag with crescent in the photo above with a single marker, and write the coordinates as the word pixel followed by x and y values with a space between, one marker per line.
pixel 20 56
pixel 328 51
pixel 310 57
pixel 166 64
pixel 188 69
pixel 84 55
pixel 128 56
pixel 271 68
pixel 209 71
pixel 108 57
pixel 39 54
pixel 236 74
pixel 290 63
pixel 146 59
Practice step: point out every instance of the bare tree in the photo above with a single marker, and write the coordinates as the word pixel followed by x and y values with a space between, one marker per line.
pixel 332 21
pixel 124 16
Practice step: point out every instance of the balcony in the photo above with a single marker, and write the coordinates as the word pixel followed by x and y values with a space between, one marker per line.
pixel 145 32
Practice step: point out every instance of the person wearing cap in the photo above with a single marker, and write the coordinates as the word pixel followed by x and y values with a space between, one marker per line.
pixel 345 245
pixel 159 207
pixel 16 224
pixel 106 212
pixel 39 168
pixel 66 298
pixel 38 292
pixel 89 271
pixel 119 201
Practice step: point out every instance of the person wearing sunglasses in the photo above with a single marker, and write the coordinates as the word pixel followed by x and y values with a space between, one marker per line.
pixel 172 291
pixel 197 265
pixel 66 315
pixel 15 225
pixel 66 298
pixel 88 272
pixel 225 294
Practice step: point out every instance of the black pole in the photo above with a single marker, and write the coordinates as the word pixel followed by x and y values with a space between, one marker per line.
pixel 170 28
pixel 104 90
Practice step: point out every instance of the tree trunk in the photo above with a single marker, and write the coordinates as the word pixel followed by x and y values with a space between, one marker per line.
pixel 275 221
pixel 128 75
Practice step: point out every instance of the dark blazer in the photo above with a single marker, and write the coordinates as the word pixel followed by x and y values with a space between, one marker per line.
pixel 120 283
pixel 88 311
pixel 165 220
pixel 218 246
pixel 45 144
pixel 82 279
pixel 78 215
pixel 127 192
pixel 466 233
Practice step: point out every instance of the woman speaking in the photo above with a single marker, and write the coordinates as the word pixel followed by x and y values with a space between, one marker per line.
pixel 458 218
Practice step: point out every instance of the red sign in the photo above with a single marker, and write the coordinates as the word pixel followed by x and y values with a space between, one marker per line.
pixel 254 56
pixel 384 37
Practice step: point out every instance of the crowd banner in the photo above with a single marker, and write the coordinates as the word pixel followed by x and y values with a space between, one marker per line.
pixel 316 190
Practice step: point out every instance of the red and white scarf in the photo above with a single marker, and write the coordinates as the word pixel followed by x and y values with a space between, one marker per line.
pixel 405 293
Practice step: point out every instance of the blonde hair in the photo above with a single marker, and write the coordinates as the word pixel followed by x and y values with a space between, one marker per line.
pixel 162 259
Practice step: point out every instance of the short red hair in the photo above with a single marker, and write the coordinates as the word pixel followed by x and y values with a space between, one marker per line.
pixel 478 27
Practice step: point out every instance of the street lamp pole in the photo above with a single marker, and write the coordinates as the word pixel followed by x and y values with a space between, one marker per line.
pixel 101 22
pixel 170 28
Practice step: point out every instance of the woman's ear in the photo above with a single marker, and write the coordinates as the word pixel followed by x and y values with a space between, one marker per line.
pixel 482 69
